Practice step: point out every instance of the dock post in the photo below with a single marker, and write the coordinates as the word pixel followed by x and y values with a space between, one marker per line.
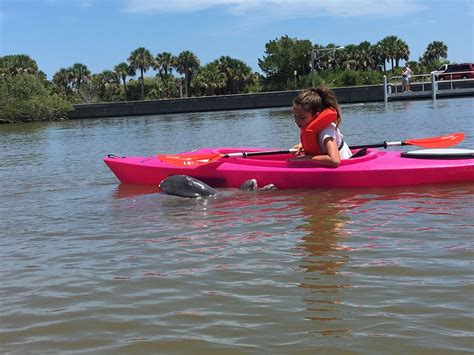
pixel 434 86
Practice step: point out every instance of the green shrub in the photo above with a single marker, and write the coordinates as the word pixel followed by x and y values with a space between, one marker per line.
pixel 24 98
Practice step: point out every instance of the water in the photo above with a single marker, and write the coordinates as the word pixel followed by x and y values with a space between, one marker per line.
pixel 92 266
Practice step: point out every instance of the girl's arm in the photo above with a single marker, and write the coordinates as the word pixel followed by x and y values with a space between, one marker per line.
pixel 332 158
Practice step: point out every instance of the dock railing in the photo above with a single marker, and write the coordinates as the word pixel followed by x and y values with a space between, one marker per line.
pixel 426 85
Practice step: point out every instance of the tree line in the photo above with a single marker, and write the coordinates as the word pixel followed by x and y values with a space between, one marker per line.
pixel 224 75
pixel 287 63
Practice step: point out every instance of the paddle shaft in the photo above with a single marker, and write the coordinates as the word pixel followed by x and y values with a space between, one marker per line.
pixel 379 145
pixel 255 154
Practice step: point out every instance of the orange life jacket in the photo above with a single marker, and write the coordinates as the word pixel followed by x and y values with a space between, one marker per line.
pixel 309 134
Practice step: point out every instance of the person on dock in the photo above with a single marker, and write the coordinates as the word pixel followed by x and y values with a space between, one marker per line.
pixel 318 116
pixel 406 77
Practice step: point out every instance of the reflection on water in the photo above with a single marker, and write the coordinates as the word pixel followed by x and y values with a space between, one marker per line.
pixel 126 191
pixel 325 226
pixel 325 257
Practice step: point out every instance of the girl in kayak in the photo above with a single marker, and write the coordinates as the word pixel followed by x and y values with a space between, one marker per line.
pixel 317 114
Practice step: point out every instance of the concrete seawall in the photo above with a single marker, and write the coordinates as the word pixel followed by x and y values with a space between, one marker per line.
pixel 216 103
pixel 353 94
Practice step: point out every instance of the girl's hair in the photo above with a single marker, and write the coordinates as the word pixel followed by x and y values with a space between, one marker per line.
pixel 317 99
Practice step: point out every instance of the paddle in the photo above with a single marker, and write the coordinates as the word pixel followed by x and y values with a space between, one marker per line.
pixel 188 159
pixel 199 159
pixel 433 142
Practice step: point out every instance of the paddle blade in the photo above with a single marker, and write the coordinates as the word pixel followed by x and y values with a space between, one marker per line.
pixel 188 159
pixel 437 142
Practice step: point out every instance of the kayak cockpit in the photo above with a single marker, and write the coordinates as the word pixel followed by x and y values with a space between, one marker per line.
pixel 282 160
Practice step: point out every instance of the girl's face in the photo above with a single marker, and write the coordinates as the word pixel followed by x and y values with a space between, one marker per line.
pixel 302 117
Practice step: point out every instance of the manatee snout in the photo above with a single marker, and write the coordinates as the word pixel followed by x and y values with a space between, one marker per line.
pixel 252 185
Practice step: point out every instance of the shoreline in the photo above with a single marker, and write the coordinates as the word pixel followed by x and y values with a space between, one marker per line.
pixel 345 95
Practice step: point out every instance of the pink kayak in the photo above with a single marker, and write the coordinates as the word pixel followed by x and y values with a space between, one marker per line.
pixel 374 169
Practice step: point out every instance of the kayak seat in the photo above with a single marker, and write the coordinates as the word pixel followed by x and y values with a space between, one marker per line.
pixel 359 153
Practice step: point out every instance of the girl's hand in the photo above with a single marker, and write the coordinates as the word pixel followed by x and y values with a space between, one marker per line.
pixel 299 149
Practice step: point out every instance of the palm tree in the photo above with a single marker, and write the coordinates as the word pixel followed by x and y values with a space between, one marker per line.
pixel 374 61
pixel 63 79
pixel 123 70
pixel 107 84
pixel 18 63
pixel 142 59
pixel 80 74
pixel 164 64
pixel 238 74
pixel 387 49
pixel 187 63
pixel 434 52
pixel 169 87
pixel 401 51
pixel 210 80
pixel 367 58
pixel 350 57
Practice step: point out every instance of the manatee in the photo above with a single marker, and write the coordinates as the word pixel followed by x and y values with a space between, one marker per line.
pixel 269 187
pixel 249 185
pixel 252 185
pixel 186 186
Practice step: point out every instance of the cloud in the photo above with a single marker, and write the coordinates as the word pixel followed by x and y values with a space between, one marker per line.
pixel 141 6
pixel 281 8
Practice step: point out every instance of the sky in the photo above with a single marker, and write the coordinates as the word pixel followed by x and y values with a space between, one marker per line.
pixel 103 33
